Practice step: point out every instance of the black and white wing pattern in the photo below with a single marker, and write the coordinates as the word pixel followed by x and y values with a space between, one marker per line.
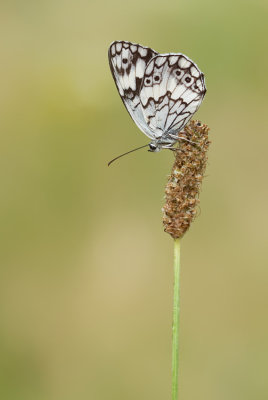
pixel 171 92
pixel 128 63
pixel 160 91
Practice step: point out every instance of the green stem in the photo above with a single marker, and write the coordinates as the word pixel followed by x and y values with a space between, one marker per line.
pixel 176 320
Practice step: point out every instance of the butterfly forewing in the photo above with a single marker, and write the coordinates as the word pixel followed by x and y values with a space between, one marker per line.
pixel 171 92
pixel 128 62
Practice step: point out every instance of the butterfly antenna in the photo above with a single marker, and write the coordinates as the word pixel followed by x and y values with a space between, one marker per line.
pixel 121 155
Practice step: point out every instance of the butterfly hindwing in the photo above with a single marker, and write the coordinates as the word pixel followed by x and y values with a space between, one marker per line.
pixel 128 62
pixel 171 92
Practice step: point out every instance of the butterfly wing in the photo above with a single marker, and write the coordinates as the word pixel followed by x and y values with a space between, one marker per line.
pixel 128 63
pixel 171 92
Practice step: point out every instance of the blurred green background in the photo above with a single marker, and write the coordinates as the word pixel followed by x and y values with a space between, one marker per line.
pixel 86 269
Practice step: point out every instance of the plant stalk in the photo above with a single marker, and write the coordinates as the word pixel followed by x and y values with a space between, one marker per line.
pixel 176 320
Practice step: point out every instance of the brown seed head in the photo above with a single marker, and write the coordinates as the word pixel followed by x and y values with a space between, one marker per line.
pixel 184 183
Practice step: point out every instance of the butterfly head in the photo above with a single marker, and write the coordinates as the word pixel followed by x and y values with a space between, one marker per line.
pixel 154 147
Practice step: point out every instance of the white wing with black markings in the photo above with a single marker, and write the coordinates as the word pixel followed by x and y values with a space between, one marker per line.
pixel 160 91
pixel 128 62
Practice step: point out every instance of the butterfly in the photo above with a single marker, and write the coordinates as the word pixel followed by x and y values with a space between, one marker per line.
pixel 161 92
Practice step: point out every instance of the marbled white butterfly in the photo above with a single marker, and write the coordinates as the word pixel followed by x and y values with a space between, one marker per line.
pixel 160 91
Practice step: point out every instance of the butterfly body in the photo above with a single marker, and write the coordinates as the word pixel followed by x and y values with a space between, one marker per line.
pixel 160 91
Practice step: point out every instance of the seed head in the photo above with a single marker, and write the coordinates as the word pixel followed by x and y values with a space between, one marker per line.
pixel 184 183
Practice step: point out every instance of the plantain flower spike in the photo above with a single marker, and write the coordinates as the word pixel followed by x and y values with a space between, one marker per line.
pixel 184 183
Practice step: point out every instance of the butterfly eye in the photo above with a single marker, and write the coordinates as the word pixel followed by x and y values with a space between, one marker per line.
pixel 152 147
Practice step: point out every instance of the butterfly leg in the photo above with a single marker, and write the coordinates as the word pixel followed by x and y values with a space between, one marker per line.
pixel 169 147
pixel 182 138
pixel 186 140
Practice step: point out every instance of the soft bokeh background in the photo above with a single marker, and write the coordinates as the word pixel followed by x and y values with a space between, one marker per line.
pixel 86 269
